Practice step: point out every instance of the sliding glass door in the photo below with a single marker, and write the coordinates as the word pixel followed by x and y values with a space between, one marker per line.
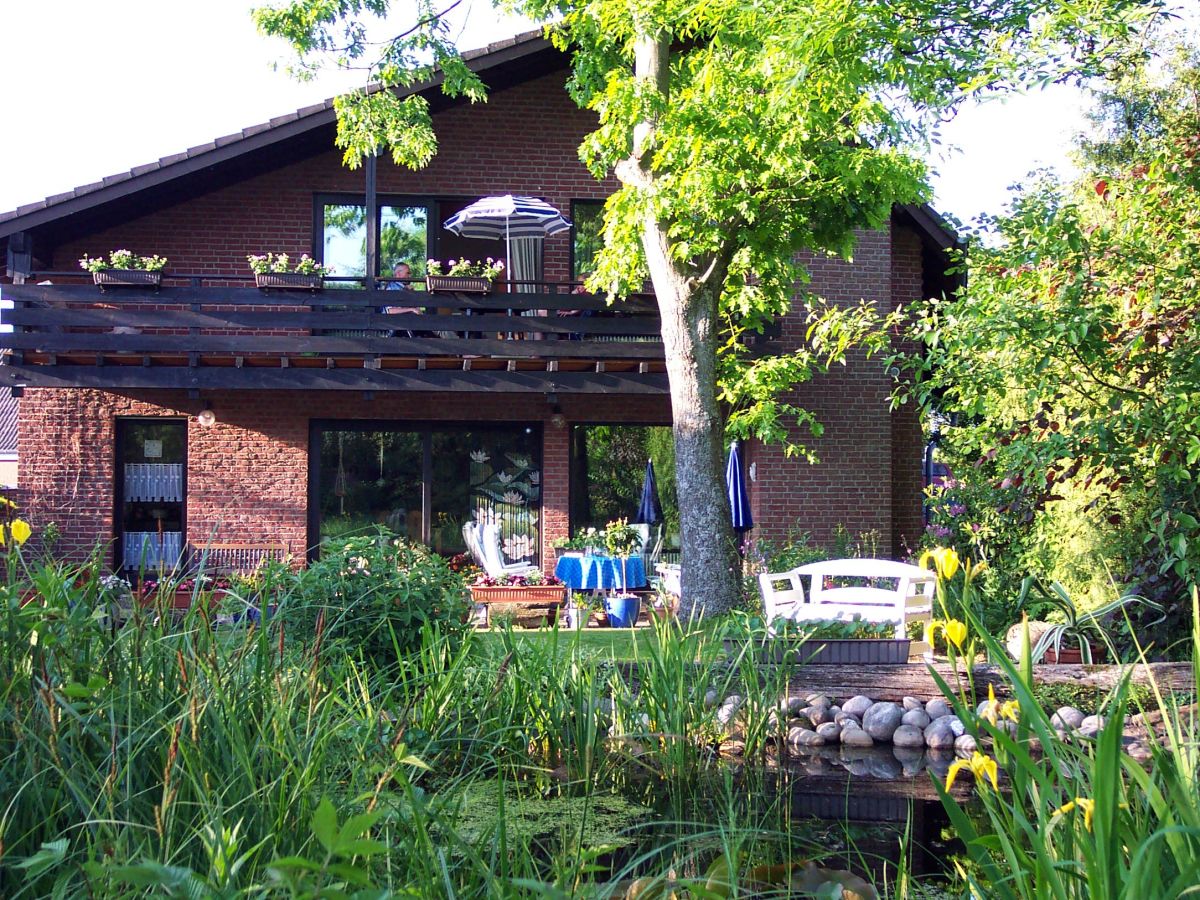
pixel 425 482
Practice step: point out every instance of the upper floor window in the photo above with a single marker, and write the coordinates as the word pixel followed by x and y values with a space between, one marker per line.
pixel 403 237
pixel 588 236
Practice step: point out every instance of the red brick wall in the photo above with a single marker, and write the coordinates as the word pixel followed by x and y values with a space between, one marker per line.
pixel 860 458
pixel 524 140
pixel 908 441
pixel 248 473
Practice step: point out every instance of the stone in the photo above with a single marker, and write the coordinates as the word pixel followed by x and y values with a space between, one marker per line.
pixel 965 745
pixel 1092 724
pixel 882 720
pixel 710 699
pixel 818 700
pixel 937 707
pixel 831 731
pixel 844 718
pixel 857 706
pixel 915 717
pixel 911 703
pixel 795 705
pixel 834 710
pixel 908 737
pixel 856 761
pixel 803 737
pixel 982 707
pixel 956 725
pixel 1139 752
pixel 1068 718
pixel 856 737
pixel 728 710
pixel 939 735
pixel 1013 639
pixel 818 714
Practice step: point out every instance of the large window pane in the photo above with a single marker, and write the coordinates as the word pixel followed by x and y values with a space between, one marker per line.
pixel 608 466
pixel 152 492
pixel 370 478
pixel 403 237
pixel 382 475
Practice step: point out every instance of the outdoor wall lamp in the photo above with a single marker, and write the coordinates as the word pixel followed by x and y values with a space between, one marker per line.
pixel 206 416
pixel 558 420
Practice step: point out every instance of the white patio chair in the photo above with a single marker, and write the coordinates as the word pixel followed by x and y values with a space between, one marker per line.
pixel 782 602
pixel 493 560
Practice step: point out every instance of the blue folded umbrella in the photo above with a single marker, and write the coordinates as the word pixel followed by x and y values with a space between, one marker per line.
pixel 735 486
pixel 650 509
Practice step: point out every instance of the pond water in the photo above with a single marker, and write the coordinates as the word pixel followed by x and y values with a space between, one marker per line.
pixel 860 811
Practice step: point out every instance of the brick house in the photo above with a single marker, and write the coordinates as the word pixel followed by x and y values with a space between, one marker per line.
pixel 323 412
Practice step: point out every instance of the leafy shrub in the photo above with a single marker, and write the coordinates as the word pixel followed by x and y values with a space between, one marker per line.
pixel 376 593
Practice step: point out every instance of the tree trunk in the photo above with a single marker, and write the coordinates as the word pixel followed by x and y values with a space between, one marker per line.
pixel 688 305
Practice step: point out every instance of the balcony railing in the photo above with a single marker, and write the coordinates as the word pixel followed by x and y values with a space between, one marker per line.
pixel 211 331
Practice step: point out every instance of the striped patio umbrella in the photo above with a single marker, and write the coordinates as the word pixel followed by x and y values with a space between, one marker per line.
pixel 507 217
pixel 650 509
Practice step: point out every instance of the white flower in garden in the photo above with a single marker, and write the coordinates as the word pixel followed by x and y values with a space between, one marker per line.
pixel 479 456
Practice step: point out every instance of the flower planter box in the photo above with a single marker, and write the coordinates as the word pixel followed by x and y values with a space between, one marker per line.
pixel 127 278
pixel 458 283
pixel 539 594
pixel 825 652
pixel 288 281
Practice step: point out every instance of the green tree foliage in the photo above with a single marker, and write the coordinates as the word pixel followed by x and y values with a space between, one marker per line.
pixel 742 134
pixel 1074 357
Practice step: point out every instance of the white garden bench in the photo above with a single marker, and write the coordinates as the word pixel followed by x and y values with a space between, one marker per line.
pixel 909 599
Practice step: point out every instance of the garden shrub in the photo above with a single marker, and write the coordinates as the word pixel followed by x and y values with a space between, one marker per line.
pixel 376 593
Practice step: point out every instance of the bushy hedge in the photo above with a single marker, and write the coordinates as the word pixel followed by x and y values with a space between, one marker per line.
pixel 375 593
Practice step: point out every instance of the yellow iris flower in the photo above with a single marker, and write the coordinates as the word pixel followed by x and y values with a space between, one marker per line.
pixel 955 631
pixel 20 530
pixel 945 562
pixel 980 765
pixel 1088 806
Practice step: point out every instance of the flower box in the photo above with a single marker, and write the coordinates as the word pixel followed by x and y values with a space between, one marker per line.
pixel 289 281
pixel 541 594
pixel 829 652
pixel 463 284
pixel 127 278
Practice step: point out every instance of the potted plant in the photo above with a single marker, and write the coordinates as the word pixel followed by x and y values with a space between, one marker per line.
pixel 462 275
pixel 1082 632
pixel 124 268
pixel 274 270
pixel 580 607
pixel 621 540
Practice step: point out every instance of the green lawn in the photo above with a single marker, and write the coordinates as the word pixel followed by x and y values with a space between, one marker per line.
pixel 616 643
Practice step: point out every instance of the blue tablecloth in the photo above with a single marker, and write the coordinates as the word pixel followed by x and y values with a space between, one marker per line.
pixel 589 573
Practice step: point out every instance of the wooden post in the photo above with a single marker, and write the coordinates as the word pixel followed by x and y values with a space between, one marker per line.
pixel 372 224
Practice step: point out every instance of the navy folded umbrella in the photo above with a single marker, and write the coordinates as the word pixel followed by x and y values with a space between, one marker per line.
pixel 650 509
pixel 735 486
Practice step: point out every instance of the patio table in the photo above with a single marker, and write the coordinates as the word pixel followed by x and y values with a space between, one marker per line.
pixel 593 573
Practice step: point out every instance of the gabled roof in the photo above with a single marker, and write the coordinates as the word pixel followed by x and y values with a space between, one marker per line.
pixel 521 54
pixel 306 131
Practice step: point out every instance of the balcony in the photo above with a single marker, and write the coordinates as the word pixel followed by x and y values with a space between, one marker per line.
pixel 209 332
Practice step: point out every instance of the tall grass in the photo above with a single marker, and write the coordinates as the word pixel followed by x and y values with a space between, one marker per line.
pixel 1081 818
pixel 183 758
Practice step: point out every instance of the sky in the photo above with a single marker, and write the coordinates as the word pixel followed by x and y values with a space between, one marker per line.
pixel 96 88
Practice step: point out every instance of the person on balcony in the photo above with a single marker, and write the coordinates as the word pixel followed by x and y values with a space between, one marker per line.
pixel 403 274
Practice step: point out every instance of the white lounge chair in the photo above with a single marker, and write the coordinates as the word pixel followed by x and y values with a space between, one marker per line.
pixel 911 599
pixel 493 560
